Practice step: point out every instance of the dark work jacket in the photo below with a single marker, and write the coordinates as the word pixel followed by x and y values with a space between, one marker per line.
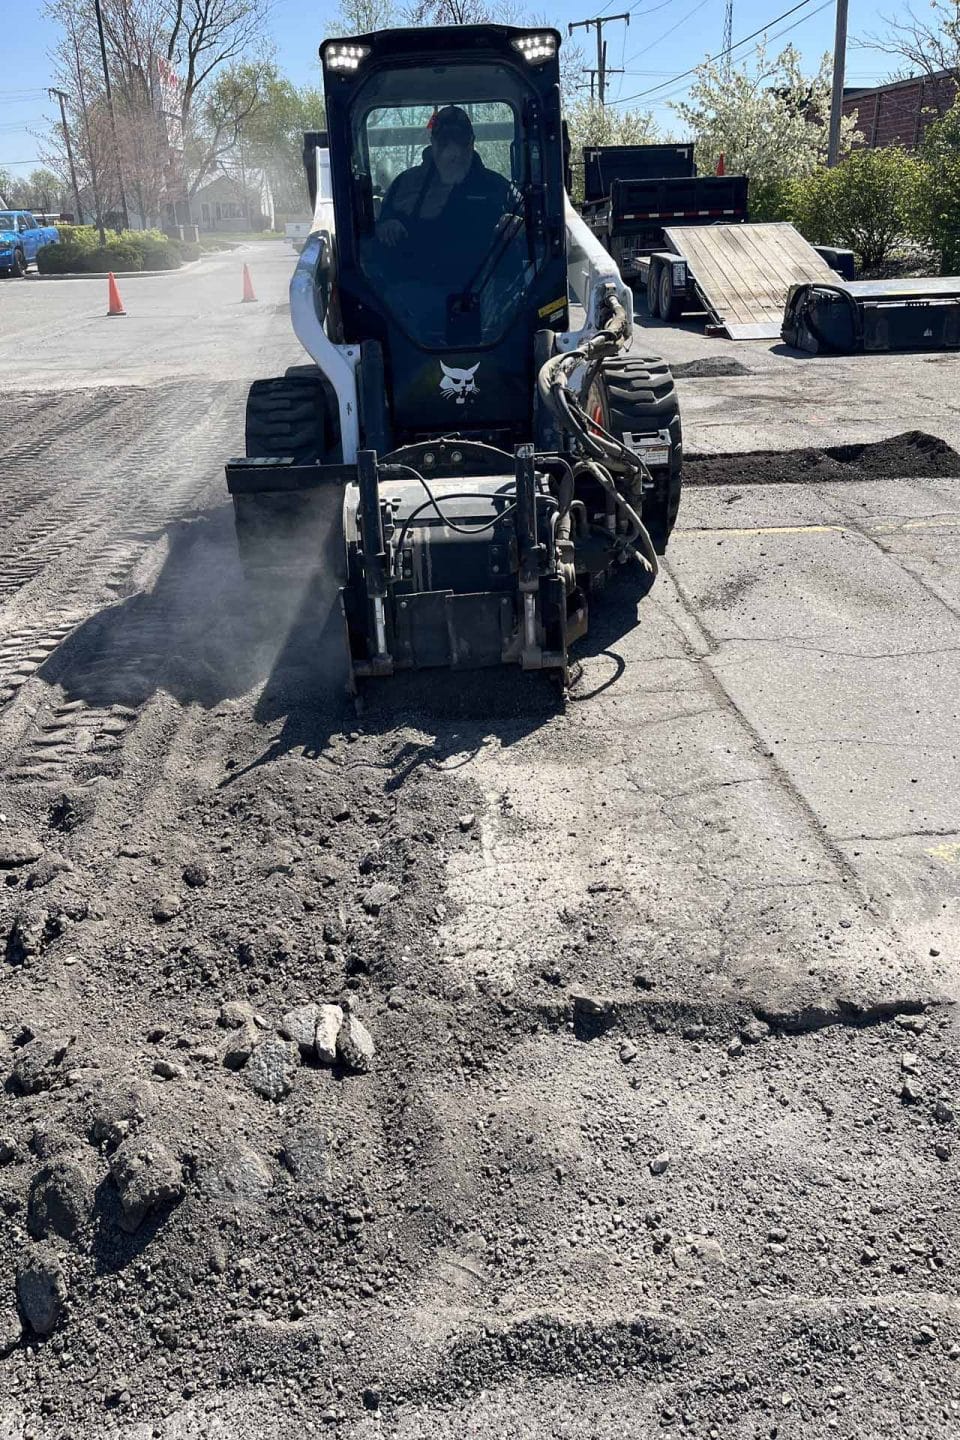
pixel 451 245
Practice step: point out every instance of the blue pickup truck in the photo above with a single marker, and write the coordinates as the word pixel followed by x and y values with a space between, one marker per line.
pixel 20 240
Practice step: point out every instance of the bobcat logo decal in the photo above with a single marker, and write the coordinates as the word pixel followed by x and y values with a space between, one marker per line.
pixel 456 385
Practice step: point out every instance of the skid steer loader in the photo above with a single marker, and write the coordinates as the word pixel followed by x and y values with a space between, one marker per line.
pixel 474 449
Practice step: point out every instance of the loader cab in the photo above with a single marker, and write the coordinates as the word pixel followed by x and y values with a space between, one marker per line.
pixel 447 176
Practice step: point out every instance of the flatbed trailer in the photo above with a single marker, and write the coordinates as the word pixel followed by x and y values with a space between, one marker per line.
pixel 739 275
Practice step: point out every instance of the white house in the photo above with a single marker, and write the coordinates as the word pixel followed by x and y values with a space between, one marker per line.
pixel 221 204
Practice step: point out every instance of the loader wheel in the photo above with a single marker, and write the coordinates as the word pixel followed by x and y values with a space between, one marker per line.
pixel 281 534
pixel 640 398
pixel 286 417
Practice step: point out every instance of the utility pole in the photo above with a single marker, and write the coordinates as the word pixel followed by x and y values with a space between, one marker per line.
pixel 839 66
pixel 113 118
pixel 598 23
pixel 593 80
pixel 61 96
pixel 727 39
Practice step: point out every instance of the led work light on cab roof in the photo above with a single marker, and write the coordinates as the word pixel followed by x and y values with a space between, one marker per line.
pixel 540 46
pixel 345 57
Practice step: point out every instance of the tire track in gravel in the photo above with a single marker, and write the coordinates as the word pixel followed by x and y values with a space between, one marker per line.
pixel 147 460
pixel 126 464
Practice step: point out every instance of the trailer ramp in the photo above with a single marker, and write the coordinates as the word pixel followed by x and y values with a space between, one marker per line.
pixel 743 273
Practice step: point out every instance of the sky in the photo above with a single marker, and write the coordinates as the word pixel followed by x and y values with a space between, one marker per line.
pixel 663 39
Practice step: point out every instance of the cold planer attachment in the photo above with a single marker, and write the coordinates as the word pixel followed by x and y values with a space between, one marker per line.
pixel 846 317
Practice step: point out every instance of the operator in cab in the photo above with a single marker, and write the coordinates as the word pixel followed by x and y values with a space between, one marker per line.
pixel 445 211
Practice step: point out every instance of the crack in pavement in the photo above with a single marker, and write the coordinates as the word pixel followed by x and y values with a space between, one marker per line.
pixel 779 772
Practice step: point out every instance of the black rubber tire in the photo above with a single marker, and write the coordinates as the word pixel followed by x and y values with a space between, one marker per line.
pixel 287 417
pixel 19 265
pixel 653 290
pixel 276 531
pixel 640 396
pixel 669 306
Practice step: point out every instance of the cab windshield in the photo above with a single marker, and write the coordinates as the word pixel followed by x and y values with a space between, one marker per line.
pixel 443 159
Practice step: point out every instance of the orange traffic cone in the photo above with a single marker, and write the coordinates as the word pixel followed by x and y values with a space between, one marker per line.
pixel 248 294
pixel 722 164
pixel 115 304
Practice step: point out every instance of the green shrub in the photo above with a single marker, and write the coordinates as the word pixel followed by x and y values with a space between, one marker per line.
pixel 772 199
pixel 80 237
pixel 79 252
pixel 62 258
pixel 935 214
pixel 866 203
pixel 115 255
pixel 156 250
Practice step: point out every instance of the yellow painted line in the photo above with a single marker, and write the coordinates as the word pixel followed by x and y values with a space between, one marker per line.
pixel 949 854
pixel 872 527
pixel 923 522
pixel 766 530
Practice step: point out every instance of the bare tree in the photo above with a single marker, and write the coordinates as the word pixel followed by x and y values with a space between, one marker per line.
pixel 205 36
pixel 460 12
pixel 199 40
pixel 216 131
pixel 926 45
pixel 362 17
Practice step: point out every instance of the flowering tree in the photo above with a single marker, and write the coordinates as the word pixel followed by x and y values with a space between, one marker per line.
pixel 771 122
pixel 589 123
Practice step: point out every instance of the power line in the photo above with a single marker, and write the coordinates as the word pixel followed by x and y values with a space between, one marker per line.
pixel 682 89
pixel 654 43
pixel 711 58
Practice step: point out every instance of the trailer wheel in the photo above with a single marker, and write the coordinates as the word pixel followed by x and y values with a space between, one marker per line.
pixel 640 398
pixel 670 307
pixel 653 289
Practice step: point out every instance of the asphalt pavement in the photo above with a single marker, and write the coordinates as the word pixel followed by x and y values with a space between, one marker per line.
pixel 56 332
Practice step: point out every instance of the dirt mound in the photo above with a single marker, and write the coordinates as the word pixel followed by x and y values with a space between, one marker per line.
pixel 713 367
pixel 913 455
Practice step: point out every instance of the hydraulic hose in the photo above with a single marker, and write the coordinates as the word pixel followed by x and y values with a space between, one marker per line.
pixel 639 534
pixel 595 443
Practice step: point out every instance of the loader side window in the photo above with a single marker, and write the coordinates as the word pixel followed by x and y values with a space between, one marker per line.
pixel 445 154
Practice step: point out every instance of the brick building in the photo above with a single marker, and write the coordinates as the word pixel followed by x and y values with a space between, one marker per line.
pixel 898 112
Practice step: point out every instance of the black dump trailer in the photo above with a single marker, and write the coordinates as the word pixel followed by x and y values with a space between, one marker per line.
pixel 633 192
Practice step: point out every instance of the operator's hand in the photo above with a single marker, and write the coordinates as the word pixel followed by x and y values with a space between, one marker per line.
pixel 392 232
